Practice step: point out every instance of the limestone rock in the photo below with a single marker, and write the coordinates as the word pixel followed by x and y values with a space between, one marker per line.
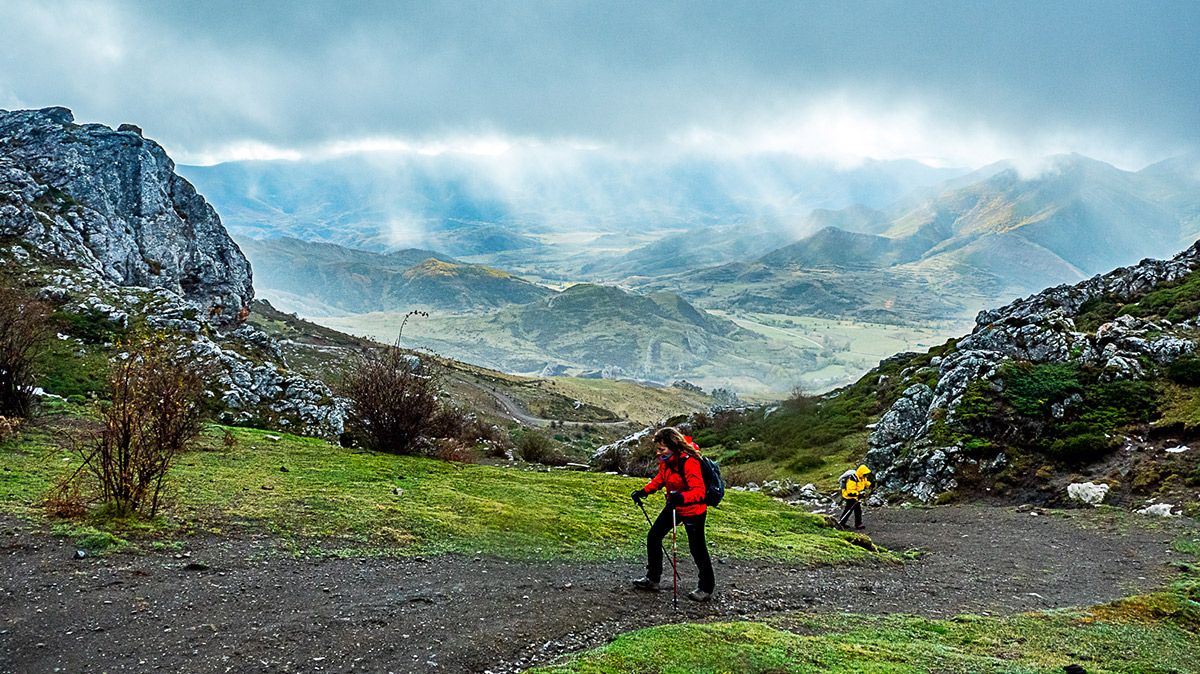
pixel 1090 493
pixel 111 201
pixel 902 421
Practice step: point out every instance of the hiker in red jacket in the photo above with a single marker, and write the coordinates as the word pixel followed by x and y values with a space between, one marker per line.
pixel 679 472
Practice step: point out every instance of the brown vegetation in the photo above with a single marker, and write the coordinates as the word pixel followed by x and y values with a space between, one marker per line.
pixel 24 327
pixel 156 412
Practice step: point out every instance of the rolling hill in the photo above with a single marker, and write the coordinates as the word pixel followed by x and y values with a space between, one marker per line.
pixel 603 331
pixel 323 279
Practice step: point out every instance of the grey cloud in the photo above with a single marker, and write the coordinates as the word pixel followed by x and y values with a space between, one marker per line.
pixel 198 75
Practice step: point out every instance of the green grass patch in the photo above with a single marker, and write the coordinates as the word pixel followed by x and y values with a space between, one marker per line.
pixel 851 644
pixel 90 538
pixel 68 368
pixel 365 503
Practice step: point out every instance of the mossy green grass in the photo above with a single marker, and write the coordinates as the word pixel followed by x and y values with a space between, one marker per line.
pixel 343 501
pixel 1039 643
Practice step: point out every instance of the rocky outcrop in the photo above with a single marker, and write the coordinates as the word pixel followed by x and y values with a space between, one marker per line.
pixel 907 456
pixel 110 201
pixel 247 370
pixel 97 223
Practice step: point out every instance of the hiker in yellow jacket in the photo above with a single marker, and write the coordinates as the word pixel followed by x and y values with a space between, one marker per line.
pixel 856 484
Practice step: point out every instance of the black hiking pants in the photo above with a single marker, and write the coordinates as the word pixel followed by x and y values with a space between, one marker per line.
pixel 856 506
pixel 694 525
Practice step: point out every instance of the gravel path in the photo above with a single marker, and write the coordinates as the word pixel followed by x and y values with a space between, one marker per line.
pixel 234 605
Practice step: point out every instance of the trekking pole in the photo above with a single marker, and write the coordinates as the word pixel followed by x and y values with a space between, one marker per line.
pixel 660 543
pixel 674 565
pixel 845 516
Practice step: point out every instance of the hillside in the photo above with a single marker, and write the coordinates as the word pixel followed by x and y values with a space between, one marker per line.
pixel 603 331
pixel 1092 382
pixel 322 278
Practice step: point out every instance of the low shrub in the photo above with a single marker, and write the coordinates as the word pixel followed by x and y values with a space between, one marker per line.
pixel 535 447
pixel 9 427
pixel 24 330
pixel 1031 389
pixel 1078 449
pixel 451 449
pixel 393 399
pixel 155 413
pixel 1185 370
pixel 740 475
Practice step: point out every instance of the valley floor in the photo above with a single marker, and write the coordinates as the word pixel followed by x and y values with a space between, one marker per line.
pixel 236 604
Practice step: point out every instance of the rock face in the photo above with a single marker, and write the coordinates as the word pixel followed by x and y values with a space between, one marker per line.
pixel 110 201
pixel 1041 328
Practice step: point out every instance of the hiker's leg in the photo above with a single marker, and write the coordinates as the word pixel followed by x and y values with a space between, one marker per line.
pixel 847 506
pixel 654 539
pixel 857 514
pixel 699 549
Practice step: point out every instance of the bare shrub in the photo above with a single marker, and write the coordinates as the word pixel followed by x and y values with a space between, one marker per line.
pixel 156 412
pixel 24 327
pixel 535 447
pixel 393 399
pixel 9 427
pixel 740 475
pixel 452 449
pixel 65 499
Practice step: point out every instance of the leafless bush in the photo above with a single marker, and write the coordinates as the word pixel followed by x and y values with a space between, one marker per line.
pixel 393 399
pixel 156 412
pixel 453 449
pixel 9 426
pixel 65 499
pixel 24 327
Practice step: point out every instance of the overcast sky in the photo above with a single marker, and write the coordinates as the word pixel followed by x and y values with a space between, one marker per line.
pixel 953 83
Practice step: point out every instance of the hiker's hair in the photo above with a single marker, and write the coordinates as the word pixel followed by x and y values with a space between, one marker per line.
pixel 674 440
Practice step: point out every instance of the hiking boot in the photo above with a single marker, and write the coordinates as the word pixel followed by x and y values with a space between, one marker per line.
pixel 644 583
pixel 699 595
pixel 860 527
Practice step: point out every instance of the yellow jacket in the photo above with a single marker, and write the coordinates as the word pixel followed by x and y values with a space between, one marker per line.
pixel 855 484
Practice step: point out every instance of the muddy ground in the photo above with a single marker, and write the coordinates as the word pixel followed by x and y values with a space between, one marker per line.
pixel 237 605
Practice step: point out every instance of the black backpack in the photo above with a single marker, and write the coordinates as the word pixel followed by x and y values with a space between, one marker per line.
pixel 714 486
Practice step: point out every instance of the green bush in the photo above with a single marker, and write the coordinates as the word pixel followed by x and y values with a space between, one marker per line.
pixel 1083 448
pixel 1031 389
pixel 1185 371
pixel 535 447
pixel 1176 302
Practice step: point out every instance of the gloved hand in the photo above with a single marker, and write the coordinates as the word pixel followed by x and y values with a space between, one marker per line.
pixel 638 495
pixel 674 498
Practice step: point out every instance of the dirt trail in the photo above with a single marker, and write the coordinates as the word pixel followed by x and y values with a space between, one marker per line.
pixel 233 605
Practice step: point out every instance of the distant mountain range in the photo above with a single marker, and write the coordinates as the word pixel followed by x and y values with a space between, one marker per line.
pixel 989 236
pixel 318 279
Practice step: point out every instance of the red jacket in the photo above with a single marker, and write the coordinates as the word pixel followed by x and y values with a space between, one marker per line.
pixel 689 481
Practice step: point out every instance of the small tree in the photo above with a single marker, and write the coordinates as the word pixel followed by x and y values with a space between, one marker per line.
pixel 393 399
pixel 156 412
pixel 24 327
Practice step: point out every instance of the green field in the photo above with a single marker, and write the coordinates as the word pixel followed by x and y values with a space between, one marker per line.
pixel 847 348
pixel 320 496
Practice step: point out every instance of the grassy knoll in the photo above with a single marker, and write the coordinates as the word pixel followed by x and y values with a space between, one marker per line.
pixel 1155 633
pixel 356 502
